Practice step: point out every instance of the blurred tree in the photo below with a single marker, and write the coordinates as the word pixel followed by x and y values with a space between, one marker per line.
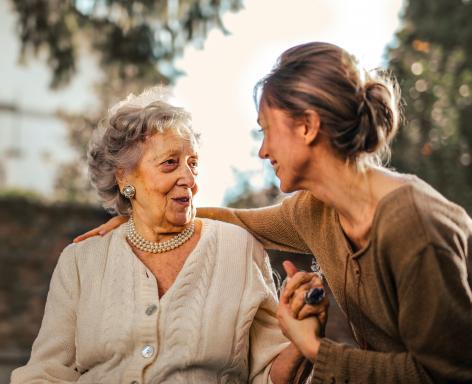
pixel 138 38
pixel 243 194
pixel 432 58
pixel 136 43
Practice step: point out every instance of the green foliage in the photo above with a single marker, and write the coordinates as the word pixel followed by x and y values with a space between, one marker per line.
pixel 244 196
pixel 135 38
pixel 432 58
pixel 136 42
pixel 19 193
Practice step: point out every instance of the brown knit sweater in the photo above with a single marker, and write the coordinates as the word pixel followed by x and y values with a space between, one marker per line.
pixel 407 294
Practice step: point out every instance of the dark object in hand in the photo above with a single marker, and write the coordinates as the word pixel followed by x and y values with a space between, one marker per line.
pixel 314 296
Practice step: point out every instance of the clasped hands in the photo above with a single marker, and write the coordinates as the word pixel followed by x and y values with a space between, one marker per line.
pixel 301 323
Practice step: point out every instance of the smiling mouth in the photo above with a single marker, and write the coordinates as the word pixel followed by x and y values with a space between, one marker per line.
pixel 182 200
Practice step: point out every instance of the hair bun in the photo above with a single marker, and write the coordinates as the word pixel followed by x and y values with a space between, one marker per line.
pixel 358 110
pixel 377 116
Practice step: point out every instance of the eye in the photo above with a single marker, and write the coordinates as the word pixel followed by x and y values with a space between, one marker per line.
pixel 170 162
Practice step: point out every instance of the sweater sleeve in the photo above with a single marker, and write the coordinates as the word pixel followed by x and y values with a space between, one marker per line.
pixel 266 338
pixel 53 352
pixel 273 226
pixel 435 324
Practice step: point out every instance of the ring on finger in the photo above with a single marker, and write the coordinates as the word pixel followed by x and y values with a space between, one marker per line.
pixel 314 296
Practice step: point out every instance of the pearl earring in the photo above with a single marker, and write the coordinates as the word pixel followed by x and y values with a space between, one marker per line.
pixel 128 191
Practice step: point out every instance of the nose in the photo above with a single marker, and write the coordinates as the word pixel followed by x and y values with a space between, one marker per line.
pixel 263 153
pixel 188 177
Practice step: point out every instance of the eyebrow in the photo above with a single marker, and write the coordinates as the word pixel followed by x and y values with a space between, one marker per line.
pixel 171 152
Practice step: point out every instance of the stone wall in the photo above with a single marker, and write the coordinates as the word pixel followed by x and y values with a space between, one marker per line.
pixel 32 235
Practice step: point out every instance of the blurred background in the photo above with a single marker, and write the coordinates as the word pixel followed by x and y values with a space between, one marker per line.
pixel 65 62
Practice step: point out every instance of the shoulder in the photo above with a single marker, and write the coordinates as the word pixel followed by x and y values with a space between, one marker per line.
pixel 91 251
pixel 235 240
pixel 301 201
pixel 228 231
pixel 303 209
pixel 416 216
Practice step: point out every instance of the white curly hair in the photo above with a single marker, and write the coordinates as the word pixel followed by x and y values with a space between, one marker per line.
pixel 117 143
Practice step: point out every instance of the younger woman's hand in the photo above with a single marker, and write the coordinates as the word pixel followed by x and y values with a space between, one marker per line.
pixel 102 229
pixel 297 286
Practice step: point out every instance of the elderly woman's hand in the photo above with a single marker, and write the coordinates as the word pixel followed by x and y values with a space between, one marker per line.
pixel 102 229
pixel 295 290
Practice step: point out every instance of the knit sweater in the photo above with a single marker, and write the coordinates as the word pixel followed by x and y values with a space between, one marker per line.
pixel 407 293
pixel 104 321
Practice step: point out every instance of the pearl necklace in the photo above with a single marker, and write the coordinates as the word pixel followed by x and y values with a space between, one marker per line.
pixel 158 247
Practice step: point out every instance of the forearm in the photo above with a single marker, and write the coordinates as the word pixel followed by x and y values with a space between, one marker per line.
pixel 269 225
pixel 341 362
pixel 286 365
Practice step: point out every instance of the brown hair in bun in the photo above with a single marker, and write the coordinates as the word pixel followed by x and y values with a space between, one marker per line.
pixel 359 111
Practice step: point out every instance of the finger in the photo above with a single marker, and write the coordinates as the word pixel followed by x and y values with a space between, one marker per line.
pixel 316 281
pixel 283 311
pixel 86 235
pixel 323 316
pixel 114 222
pixel 289 268
pixel 314 310
pixel 102 229
pixel 297 300
pixel 295 281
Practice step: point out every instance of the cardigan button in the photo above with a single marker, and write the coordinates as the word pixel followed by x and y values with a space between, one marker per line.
pixel 147 351
pixel 151 309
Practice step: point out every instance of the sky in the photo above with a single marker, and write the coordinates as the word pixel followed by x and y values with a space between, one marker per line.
pixel 217 88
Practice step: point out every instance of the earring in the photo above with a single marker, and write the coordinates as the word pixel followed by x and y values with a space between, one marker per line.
pixel 128 191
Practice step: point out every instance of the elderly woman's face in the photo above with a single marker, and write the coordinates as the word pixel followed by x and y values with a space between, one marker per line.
pixel 165 180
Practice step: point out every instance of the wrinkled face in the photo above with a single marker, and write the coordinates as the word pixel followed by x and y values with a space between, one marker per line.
pixel 283 146
pixel 165 180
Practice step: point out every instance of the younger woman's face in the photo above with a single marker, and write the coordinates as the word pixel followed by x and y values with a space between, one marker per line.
pixel 283 146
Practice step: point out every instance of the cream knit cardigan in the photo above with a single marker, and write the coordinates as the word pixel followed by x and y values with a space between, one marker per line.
pixel 104 321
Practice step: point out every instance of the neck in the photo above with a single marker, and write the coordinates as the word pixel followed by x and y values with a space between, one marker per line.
pixel 351 193
pixel 155 229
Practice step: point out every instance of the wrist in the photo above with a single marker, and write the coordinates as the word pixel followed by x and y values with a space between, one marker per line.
pixel 295 352
pixel 311 349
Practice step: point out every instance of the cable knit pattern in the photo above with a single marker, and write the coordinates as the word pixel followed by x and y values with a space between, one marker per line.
pixel 199 269
pixel 239 362
pixel 104 322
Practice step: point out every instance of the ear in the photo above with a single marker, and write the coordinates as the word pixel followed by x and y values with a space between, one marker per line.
pixel 120 178
pixel 311 121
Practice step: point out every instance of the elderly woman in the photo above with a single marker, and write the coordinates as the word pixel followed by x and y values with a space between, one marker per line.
pixel 158 300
